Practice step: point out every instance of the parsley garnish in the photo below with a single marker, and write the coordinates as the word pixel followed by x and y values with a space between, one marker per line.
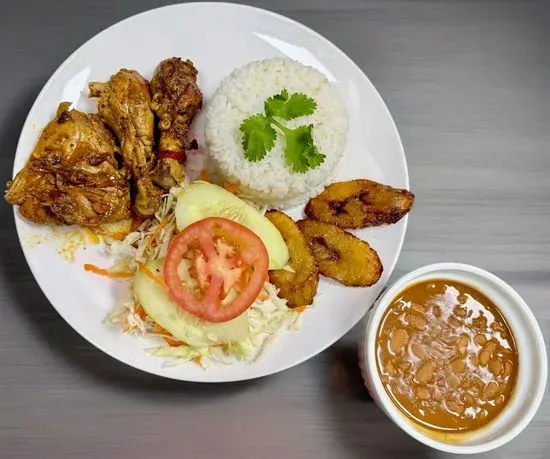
pixel 258 138
pixel 259 135
pixel 288 108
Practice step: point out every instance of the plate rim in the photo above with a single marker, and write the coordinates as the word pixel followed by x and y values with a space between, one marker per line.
pixel 27 125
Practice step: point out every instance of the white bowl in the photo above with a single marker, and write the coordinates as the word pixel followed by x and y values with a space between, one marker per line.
pixel 531 379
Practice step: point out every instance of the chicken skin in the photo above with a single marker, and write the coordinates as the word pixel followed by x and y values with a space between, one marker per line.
pixel 124 105
pixel 176 101
pixel 72 176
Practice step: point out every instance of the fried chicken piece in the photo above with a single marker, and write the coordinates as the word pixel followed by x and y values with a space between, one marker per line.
pixel 340 255
pixel 360 203
pixel 124 105
pixel 176 101
pixel 299 287
pixel 168 172
pixel 72 176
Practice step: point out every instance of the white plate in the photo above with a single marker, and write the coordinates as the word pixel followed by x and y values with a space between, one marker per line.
pixel 218 37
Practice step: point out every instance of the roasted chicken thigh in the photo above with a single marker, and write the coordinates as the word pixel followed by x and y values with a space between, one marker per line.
pixel 72 176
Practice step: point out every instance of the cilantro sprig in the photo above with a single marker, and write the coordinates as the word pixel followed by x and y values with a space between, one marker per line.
pixel 259 134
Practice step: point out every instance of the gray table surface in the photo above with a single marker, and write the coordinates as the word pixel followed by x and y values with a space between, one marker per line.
pixel 468 83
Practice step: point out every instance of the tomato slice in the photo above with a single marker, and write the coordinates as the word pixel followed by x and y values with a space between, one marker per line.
pixel 215 269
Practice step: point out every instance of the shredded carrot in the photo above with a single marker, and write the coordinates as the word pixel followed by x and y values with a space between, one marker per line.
pixel 300 308
pixel 150 275
pixel 159 228
pixel 173 342
pixel 197 359
pixel 103 272
pixel 167 336
pixel 204 176
pixel 263 296
pixel 162 224
pixel 141 312
pixel 232 187
pixel 160 329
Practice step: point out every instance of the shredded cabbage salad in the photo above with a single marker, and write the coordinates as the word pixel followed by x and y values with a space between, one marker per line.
pixel 267 317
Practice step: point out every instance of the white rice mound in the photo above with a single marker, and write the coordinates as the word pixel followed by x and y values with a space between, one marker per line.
pixel 271 182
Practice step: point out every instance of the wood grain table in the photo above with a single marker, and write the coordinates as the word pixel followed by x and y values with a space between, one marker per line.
pixel 468 83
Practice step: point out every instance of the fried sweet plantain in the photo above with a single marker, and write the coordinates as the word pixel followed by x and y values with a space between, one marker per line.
pixel 360 203
pixel 340 255
pixel 299 287
pixel 299 295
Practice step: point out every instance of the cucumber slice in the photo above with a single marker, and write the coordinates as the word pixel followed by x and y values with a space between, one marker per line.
pixel 202 200
pixel 182 325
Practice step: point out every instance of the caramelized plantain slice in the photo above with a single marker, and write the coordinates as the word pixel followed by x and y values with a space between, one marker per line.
pixel 300 286
pixel 299 294
pixel 360 203
pixel 340 255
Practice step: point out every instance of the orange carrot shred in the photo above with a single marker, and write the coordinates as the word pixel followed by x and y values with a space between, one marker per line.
pixel 197 359
pixel 150 275
pixel 204 176
pixel 167 336
pixel 141 312
pixel 159 228
pixel 103 272
pixel 232 187
pixel 173 342
pixel 263 295
pixel 160 330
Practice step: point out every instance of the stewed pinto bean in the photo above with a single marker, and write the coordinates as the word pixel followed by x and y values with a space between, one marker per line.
pixel 446 356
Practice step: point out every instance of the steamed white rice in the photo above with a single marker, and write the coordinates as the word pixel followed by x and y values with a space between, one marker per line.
pixel 270 182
